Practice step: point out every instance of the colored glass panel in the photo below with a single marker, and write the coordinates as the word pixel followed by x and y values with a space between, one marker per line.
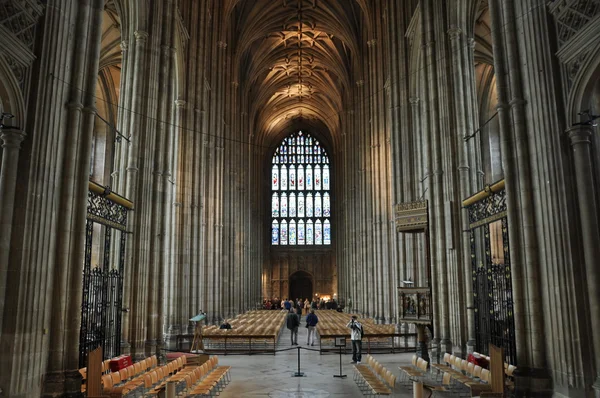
pixel 292 177
pixel 283 178
pixel 301 205
pixel 283 233
pixel 326 178
pixel 318 206
pixel 317 178
pixel 300 177
pixel 275 233
pixel 292 233
pixel 326 233
pixel 292 205
pixel 283 208
pixel 318 233
pixel 275 205
pixel 301 233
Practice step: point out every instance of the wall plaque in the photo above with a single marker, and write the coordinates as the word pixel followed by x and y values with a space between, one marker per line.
pixel 411 216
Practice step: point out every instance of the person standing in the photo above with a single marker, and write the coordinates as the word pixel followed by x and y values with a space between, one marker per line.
pixel 356 337
pixel 306 306
pixel 287 305
pixel 311 324
pixel 292 323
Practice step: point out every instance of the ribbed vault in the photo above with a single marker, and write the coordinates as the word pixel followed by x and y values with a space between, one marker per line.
pixel 295 59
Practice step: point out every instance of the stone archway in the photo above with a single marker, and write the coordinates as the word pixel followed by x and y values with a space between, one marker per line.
pixel 301 285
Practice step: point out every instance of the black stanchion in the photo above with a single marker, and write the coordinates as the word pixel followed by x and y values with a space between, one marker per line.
pixel 298 373
pixel 341 376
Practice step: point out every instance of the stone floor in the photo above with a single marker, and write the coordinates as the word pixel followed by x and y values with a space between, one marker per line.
pixel 271 375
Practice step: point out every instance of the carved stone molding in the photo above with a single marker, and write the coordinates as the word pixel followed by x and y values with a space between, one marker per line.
pixel 577 26
pixel 18 21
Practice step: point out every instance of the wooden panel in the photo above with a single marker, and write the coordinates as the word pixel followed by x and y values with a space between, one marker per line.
pixel 497 368
pixel 94 373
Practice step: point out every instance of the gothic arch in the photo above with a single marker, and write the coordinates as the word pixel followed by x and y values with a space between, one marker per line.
pixel 11 98
pixel 583 86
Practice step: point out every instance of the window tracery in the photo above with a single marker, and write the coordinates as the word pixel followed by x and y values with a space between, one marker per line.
pixel 301 198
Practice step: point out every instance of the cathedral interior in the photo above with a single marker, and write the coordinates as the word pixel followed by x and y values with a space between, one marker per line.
pixel 162 159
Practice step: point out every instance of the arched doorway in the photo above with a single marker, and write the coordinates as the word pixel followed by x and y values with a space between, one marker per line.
pixel 301 285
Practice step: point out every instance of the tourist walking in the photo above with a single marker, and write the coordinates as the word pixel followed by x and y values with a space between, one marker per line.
pixel 292 323
pixel 311 324
pixel 356 337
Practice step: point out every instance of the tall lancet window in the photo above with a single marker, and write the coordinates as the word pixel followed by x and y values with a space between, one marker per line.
pixel 300 200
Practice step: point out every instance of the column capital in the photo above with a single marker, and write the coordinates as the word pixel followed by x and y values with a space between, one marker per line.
pixel 180 103
pixel 580 135
pixel 454 32
pixel 124 46
pixel 414 100
pixel 11 138
pixel 140 35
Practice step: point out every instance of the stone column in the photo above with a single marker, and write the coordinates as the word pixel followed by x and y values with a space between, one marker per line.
pixel 462 94
pixel 580 138
pixel 11 144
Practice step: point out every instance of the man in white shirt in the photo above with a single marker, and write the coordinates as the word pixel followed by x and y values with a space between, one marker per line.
pixel 356 337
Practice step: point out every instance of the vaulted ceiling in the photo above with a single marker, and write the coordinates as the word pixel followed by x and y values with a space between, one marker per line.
pixel 295 56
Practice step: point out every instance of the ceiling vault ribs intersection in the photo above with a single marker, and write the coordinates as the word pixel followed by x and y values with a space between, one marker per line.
pixel 295 57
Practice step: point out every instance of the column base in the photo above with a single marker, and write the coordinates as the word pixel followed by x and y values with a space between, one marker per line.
pixel 423 351
pixel 435 350
pixel 125 347
pixel 62 384
pixel 596 387
pixel 470 347
pixel 150 348
pixel 533 382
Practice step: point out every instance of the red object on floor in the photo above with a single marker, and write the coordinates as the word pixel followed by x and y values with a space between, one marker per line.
pixel 119 363
pixel 478 360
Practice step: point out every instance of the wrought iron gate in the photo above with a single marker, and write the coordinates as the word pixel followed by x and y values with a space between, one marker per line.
pixel 491 272
pixel 103 283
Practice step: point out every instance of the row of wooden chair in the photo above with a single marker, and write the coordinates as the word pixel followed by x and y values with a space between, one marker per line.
pixel 508 368
pixel 471 376
pixel 129 373
pixel 136 380
pixel 417 369
pixel 209 379
pixel 333 323
pixel 374 379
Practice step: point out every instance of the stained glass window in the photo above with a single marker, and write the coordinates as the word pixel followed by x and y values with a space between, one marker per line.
pixel 318 206
pixel 275 178
pixel 275 206
pixel 284 205
pixel 310 233
pixel 283 178
pixel 292 205
pixel 318 233
pixel 292 228
pixel 275 233
pixel 326 178
pixel 301 238
pixel 283 233
pixel 317 178
pixel 301 205
pixel 301 198
pixel 300 177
